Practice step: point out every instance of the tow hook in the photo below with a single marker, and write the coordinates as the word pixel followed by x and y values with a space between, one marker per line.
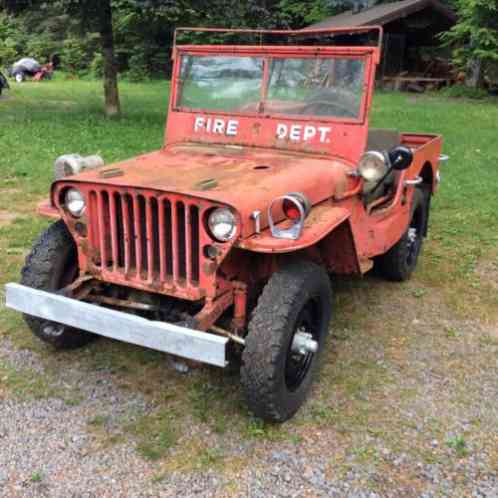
pixel 179 365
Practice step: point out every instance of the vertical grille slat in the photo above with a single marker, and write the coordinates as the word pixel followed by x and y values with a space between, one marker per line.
pixel 149 238
pixel 181 248
pixel 125 214
pixel 188 244
pixel 174 241
pixel 93 229
pixel 194 243
pixel 162 242
pixel 145 236
pixel 103 215
pixel 114 231
pixel 156 241
pixel 169 237
pixel 137 237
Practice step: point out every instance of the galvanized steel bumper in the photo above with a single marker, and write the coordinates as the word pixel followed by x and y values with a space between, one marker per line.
pixel 162 336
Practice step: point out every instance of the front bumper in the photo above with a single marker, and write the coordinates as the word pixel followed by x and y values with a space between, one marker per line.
pixel 161 336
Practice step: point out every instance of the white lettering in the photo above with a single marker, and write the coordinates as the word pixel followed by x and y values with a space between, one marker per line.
pixel 232 128
pixel 298 133
pixel 199 123
pixel 295 133
pixel 309 132
pixel 324 131
pixel 219 126
pixel 281 130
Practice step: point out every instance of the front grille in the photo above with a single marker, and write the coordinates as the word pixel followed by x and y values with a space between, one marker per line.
pixel 146 236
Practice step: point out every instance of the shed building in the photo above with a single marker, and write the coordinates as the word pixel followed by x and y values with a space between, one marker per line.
pixel 411 47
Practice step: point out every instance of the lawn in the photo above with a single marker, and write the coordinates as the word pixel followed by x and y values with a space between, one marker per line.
pixel 423 324
pixel 41 122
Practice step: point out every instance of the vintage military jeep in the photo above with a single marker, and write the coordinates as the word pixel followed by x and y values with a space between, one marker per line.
pixel 219 247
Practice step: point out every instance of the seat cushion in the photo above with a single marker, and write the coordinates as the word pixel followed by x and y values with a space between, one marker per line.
pixel 382 139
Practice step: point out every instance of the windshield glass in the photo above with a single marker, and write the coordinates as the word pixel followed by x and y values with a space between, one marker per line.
pixel 220 83
pixel 314 86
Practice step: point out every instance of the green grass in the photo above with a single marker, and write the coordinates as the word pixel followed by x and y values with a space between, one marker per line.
pixel 36 477
pixel 464 218
pixel 41 121
pixel 155 433
pixel 459 445
pixel 25 383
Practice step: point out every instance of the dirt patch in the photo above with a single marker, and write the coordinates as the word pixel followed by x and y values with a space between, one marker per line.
pixel 6 218
pixel 488 272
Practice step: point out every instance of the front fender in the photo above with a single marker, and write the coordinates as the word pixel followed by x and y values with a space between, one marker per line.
pixel 321 220
pixel 47 210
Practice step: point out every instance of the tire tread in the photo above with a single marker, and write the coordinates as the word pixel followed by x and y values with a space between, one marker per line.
pixel 269 321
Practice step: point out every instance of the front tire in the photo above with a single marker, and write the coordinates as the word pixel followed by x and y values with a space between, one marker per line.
pixel 51 266
pixel 399 263
pixel 295 306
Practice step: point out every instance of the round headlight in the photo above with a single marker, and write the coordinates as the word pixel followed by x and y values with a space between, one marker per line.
pixel 75 202
pixel 372 166
pixel 222 224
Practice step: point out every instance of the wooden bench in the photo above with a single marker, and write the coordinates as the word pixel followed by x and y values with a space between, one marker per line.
pixel 402 82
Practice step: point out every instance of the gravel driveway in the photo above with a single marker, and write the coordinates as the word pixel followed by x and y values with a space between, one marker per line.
pixel 406 406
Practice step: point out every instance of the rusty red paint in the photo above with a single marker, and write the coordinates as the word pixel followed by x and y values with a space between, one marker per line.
pixel 212 310
pixel 165 263
pixel 146 227
pixel 240 305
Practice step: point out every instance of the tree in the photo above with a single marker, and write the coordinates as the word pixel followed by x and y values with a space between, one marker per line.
pixel 112 104
pixel 93 15
pixel 475 38
pixel 97 15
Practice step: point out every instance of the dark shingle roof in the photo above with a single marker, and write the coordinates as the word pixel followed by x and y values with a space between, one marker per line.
pixel 382 14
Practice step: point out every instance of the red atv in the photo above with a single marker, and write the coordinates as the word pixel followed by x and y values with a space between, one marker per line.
pixel 28 67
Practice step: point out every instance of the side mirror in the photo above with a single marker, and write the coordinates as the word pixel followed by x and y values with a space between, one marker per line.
pixel 401 158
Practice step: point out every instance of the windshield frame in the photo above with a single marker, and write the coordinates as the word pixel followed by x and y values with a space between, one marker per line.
pixel 267 53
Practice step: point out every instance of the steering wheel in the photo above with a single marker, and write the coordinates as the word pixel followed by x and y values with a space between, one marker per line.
pixel 327 108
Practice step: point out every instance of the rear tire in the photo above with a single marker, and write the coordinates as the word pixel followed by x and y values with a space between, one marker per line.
pixel 275 378
pixel 51 266
pixel 399 263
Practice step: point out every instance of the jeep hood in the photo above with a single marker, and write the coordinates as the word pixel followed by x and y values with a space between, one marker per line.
pixel 245 179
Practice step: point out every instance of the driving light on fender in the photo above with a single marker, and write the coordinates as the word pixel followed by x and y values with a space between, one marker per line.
pixel 291 210
pixel 295 207
pixel 290 206
pixel 372 167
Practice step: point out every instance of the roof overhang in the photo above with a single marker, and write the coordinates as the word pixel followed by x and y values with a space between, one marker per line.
pixel 382 14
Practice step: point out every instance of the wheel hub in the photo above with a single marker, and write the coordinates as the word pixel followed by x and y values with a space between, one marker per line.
pixel 413 245
pixel 303 347
pixel 412 235
pixel 53 329
pixel 303 343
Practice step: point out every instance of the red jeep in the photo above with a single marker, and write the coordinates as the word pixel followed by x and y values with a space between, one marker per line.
pixel 219 247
